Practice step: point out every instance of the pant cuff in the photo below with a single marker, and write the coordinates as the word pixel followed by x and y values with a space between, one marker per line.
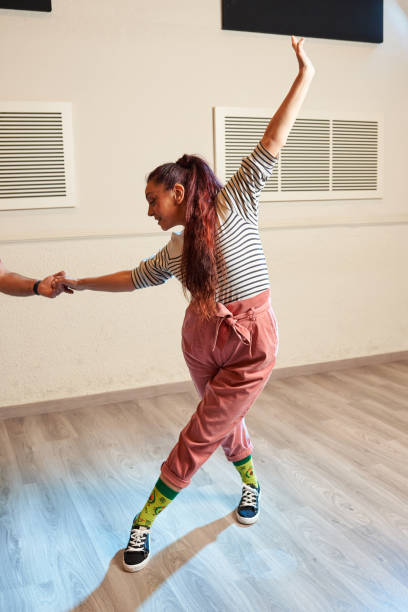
pixel 241 455
pixel 173 479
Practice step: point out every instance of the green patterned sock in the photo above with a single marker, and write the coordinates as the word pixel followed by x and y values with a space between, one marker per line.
pixel 246 468
pixel 159 498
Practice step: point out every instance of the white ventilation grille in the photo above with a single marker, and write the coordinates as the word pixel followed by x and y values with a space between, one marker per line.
pixel 355 155
pixel 36 165
pixel 324 157
pixel 305 159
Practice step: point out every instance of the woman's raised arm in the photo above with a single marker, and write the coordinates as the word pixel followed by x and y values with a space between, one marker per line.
pixel 281 123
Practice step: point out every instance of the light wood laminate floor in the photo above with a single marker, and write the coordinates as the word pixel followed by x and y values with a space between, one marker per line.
pixel 331 453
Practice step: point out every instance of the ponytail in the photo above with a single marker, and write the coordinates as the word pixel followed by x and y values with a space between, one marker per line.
pixel 199 264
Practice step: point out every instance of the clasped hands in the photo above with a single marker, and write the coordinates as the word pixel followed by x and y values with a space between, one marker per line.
pixel 55 284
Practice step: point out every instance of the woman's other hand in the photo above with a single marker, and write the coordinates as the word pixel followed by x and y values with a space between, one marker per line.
pixel 305 63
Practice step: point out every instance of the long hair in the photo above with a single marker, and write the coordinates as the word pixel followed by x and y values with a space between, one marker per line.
pixel 199 264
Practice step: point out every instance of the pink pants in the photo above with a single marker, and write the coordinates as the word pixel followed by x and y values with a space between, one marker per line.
pixel 230 358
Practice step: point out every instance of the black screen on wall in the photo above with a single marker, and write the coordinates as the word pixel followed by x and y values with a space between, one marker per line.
pixel 26 5
pixel 360 20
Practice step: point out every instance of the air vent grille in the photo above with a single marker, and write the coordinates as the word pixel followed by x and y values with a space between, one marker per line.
pixel 31 155
pixel 35 157
pixel 324 157
pixel 305 159
pixel 355 155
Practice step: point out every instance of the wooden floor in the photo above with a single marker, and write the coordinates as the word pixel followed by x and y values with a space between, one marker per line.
pixel 331 452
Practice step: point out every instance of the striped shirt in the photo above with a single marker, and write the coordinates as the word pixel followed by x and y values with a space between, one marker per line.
pixel 245 272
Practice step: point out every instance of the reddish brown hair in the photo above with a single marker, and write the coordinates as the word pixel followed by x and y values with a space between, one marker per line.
pixel 199 264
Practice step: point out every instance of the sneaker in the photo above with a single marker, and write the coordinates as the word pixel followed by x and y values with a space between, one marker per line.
pixel 248 509
pixel 137 553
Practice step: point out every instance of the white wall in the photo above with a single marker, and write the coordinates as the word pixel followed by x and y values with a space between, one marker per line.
pixel 143 78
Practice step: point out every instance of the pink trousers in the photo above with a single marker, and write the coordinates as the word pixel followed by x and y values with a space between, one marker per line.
pixel 230 358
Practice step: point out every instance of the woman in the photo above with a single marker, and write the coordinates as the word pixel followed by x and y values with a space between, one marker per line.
pixel 229 335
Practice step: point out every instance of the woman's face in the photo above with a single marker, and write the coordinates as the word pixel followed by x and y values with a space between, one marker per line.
pixel 166 205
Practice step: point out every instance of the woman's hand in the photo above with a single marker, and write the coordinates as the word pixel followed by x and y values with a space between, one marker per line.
pixel 67 284
pixel 305 63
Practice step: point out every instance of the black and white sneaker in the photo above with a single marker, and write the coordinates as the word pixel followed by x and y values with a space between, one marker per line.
pixel 137 553
pixel 248 509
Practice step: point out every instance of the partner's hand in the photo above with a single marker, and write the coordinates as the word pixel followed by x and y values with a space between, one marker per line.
pixel 48 287
pixel 305 63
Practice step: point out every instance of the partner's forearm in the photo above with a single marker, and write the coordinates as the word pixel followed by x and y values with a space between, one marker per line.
pixel 17 285
pixel 282 122
pixel 120 281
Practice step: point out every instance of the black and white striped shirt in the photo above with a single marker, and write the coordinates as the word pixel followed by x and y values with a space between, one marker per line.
pixel 245 271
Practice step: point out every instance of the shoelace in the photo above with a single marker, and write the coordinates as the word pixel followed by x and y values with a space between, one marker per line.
pixel 249 496
pixel 137 540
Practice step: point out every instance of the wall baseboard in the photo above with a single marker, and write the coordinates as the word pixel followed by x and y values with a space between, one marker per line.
pixel 340 364
pixel 126 395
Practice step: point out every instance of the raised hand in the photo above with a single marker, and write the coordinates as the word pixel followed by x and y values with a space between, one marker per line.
pixel 304 61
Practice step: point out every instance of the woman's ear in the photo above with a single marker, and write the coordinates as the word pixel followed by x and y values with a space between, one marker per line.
pixel 178 191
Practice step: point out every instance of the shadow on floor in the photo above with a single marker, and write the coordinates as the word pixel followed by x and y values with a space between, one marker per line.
pixel 125 591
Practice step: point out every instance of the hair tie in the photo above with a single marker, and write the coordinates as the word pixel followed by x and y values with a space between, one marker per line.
pixel 184 162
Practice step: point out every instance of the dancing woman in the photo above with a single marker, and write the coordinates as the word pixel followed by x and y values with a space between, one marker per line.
pixel 229 334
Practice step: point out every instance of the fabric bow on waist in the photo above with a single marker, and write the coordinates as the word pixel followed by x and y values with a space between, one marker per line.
pixel 226 316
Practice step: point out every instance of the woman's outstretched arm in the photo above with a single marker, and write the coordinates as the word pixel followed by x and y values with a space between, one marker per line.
pixel 150 272
pixel 281 123
pixel 119 281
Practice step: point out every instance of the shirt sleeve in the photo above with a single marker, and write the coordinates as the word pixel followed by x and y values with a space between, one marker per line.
pixel 153 270
pixel 244 187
